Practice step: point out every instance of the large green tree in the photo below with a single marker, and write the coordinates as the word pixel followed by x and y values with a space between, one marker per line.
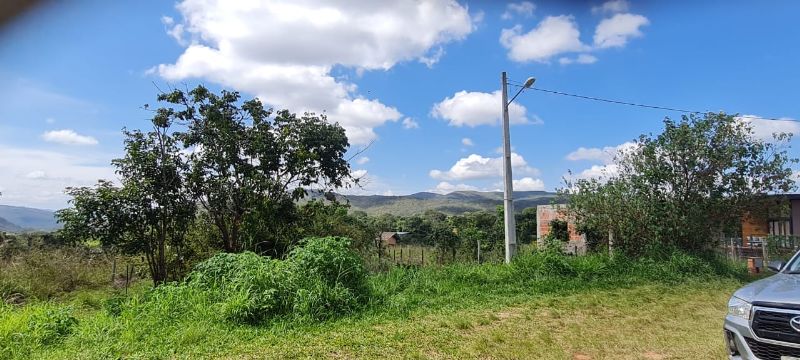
pixel 248 165
pixel 683 187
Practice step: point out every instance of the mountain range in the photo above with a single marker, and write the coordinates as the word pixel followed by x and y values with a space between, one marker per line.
pixel 453 203
pixel 19 219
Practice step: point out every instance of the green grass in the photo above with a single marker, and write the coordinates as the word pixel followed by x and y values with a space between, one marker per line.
pixel 543 306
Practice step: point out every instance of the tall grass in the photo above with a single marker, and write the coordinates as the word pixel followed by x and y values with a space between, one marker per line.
pixel 42 273
pixel 231 298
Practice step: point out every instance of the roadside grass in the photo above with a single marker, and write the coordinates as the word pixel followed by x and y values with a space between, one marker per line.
pixel 543 306
pixel 653 321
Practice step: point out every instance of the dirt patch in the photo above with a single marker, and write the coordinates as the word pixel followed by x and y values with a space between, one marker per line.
pixel 650 355
pixel 509 313
pixel 579 356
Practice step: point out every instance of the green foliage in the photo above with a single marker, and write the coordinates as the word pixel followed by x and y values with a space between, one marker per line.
pixel 252 164
pixel 526 226
pixel 225 300
pixel 149 214
pixel 25 331
pixel 684 187
pixel 50 324
pixel 322 278
pixel 559 230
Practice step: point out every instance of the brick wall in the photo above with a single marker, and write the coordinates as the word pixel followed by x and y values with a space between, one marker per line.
pixel 547 213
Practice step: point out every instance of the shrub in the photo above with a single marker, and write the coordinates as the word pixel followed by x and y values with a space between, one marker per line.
pixel 249 287
pixel 321 279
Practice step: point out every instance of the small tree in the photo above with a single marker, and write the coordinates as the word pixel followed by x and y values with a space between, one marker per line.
pixel 149 214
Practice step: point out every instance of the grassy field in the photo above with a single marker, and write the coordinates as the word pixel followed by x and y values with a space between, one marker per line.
pixel 652 321
pixel 541 307
pixel 642 322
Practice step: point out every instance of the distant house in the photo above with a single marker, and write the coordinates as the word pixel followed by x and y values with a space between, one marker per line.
pixel 783 219
pixel 391 238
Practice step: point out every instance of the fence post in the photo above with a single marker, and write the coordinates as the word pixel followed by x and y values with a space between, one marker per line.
pixel 401 255
pixel 765 250
pixel 479 251
pixel 610 242
pixel 422 262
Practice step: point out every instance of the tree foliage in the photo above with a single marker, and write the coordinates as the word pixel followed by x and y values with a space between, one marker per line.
pixel 683 187
pixel 247 164
pixel 148 214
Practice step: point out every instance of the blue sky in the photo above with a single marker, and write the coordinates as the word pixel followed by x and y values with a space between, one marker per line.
pixel 417 78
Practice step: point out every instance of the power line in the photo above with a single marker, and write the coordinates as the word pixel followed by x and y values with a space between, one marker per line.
pixel 619 102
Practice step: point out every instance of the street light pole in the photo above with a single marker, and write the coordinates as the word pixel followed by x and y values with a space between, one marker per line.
pixel 508 191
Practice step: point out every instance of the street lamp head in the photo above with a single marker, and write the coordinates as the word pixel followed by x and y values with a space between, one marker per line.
pixel 529 82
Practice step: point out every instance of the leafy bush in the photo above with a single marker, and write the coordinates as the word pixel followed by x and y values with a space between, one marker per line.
pixel 329 277
pixel 248 287
pixel 321 279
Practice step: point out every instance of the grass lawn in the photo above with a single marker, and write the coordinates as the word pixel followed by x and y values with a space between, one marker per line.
pixel 642 322
pixel 650 321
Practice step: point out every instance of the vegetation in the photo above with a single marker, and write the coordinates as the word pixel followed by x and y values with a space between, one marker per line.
pixel 684 187
pixel 232 302
pixel 238 162
pixel 213 200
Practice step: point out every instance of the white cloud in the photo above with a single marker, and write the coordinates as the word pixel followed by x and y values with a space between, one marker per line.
pixel 25 183
pixel 445 187
pixel 36 174
pixel 528 184
pixel 467 142
pixel 174 30
pixel 68 137
pixel 581 59
pixel 616 30
pixel 763 129
pixel 409 123
pixel 360 173
pixel 50 120
pixel 613 6
pixel 553 36
pixel 599 172
pixel 362 160
pixel 475 166
pixel 605 155
pixel 524 8
pixel 479 108
pixel 284 51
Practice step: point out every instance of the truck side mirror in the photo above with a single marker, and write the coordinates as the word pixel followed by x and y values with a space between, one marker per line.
pixel 776 265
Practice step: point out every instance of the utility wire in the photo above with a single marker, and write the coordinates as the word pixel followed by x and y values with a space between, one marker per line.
pixel 518 84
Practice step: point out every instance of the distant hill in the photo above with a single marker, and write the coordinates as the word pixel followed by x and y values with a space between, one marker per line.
pixel 8 226
pixel 25 218
pixel 18 218
pixel 453 203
